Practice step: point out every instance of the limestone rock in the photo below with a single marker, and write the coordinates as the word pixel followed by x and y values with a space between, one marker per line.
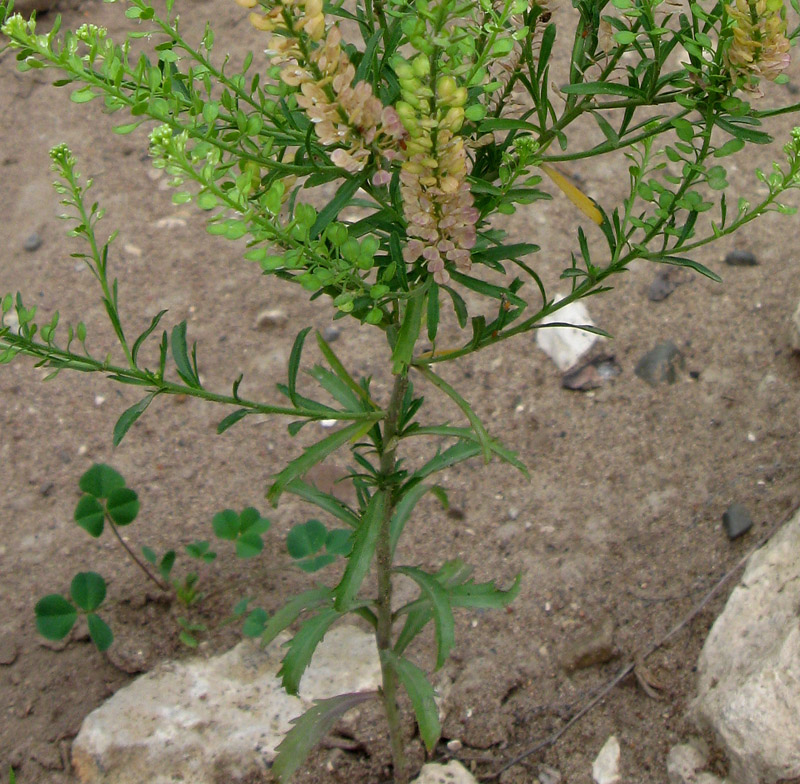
pixel 218 719
pixel 749 669
pixel 566 345
pixel 452 773
pixel 684 761
pixel 605 769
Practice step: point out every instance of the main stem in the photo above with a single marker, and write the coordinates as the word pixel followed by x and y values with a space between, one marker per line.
pixel 383 550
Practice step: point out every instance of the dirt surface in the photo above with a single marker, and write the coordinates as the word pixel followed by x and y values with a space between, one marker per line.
pixel 620 524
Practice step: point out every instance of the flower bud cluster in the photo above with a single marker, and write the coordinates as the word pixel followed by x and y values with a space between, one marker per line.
pixel 312 59
pixel 437 202
pixel 760 48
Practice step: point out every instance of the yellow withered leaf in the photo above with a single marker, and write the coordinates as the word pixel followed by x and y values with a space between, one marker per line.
pixel 573 193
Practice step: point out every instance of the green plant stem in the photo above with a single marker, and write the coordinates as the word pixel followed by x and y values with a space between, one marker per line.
pixel 383 632
pixel 161 585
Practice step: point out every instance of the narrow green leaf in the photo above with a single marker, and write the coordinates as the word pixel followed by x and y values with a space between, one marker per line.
pixel 358 563
pixel 292 610
pixel 500 252
pixel 232 419
pixel 149 555
pixel 100 480
pixel 341 199
pixel 403 509
pixel 325 501
pixel 310 728
pixel 123 505
pixel 744 132
pixel 678 261
pixel 129 416
pixel 90 515
pixel 488 289
pixel 477 425
pixel 302 646
pixel 181 356
pixel 603 88
pixel 100 632
pixel 442 611
pixel 88 589
pixel 316 454
pixel 55 617
pixel 422 697
pixel 433 312
pixel 141 339
pixel 336 388
pixel 340 370
pixel 409 332
pixel 605 126
pixel 294 364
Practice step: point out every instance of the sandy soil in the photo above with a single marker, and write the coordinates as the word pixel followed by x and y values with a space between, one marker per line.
pixel 621 519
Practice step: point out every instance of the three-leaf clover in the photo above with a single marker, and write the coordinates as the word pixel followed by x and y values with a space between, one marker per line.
pixel 243 529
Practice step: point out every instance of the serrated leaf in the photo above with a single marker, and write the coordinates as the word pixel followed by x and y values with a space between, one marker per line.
pixel 100 632
pixel 316 454
pixel 364 540
pixel 55 617
pixel 100 480
pixel 422 695
pixel 483 595
pixel 292 610
pixel 302 646
pixel 129 416
pixel 306 539
pixel 123 505
pixel 442 611
pixel 88 589
pixel 310 728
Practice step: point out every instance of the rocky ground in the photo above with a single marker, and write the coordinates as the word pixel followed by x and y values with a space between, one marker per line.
pixel 618 534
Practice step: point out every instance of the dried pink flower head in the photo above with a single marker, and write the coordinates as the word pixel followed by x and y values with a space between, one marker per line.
pixel 759 47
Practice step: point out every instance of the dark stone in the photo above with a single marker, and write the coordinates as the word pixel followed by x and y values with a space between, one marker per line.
pixel 592 374
pixel 736 521
pixel 331 333
pixel 32 242
pixel 741 258
pixel 660 365
pixel 667 279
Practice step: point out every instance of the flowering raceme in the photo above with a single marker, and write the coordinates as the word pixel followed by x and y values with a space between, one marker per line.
pixel 759 48
pixel 312 59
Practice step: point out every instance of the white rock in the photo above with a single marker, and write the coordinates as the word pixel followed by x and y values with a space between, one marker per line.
pixel 452 773
pixel 794 333
pixel 566 345
pixel 605 769
pixel 749 669
pixel 709 778
pixel 219 719
pixel 683 762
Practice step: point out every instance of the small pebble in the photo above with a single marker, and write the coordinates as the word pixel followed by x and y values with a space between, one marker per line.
pixel 9 650
pixel 32 242
pixel 593 646
pixel 741 258
pixel 605 769
pixel 592 374
pixel 548 775
pixel 454 745
pixel 273 317
pixel 328 422
pixel 99 400
pixel 331 333
pixel 660 365
pixel 736 521
pixel 170 222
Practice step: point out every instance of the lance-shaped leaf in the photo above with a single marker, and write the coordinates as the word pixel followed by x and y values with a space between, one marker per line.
pixel 358 563
pixel 324 501
pixel 422 696
pixel 483 595
pixel 340 370
pixel 409 332
pixel 310 728
pixel 294 364
pixel 436 594
pixel 186 368
pixel 316 454
pixel 302 646
pixel 129 416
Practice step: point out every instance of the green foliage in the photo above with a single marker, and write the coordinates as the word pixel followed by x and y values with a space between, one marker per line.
pixel 435 147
